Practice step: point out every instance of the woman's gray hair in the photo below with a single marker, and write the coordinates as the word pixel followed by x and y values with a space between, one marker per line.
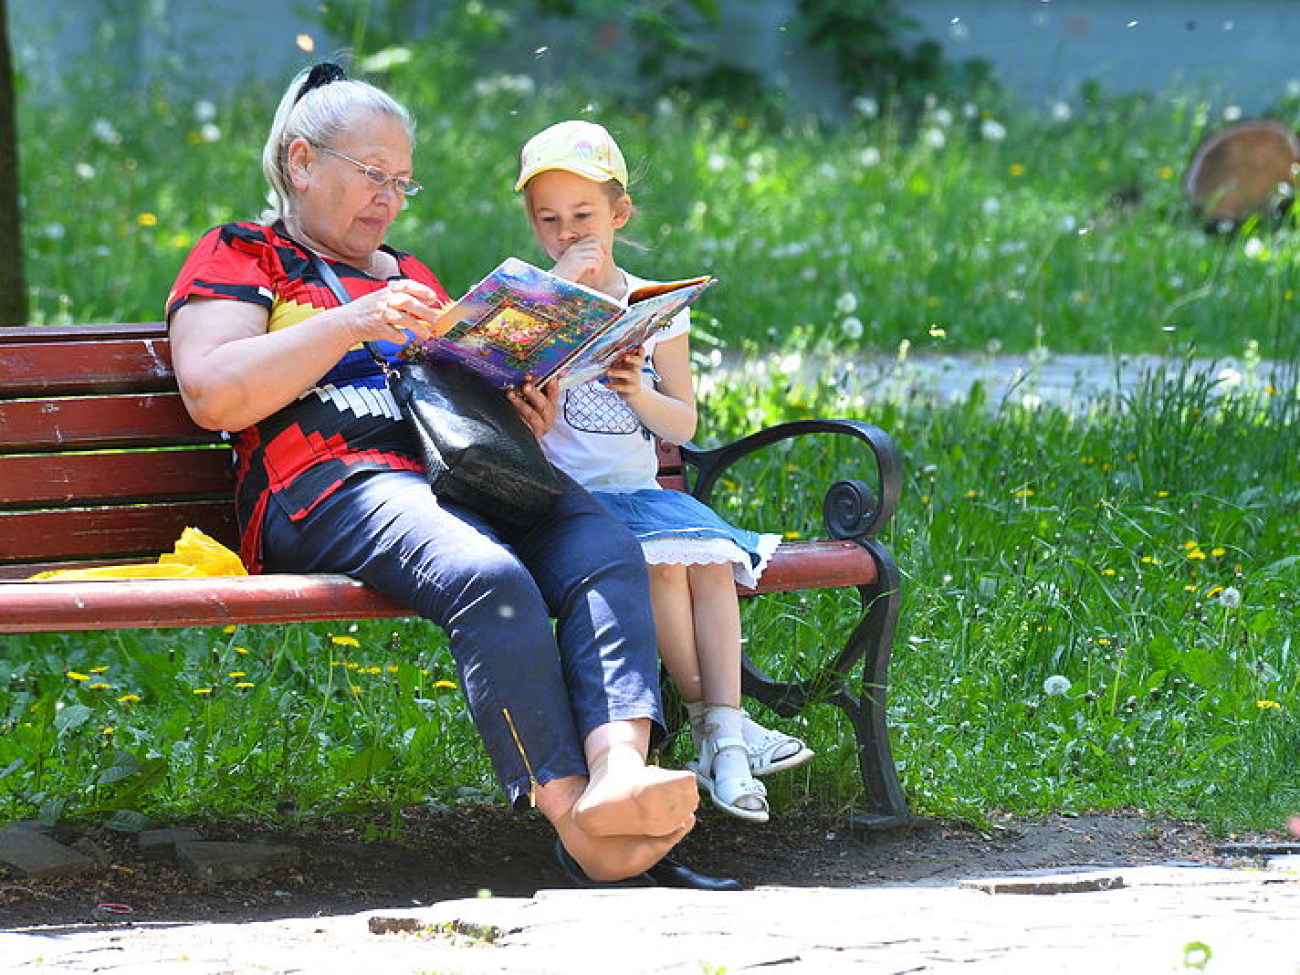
pixel 319 115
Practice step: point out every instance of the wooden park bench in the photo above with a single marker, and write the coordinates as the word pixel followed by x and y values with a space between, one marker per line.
pixel 100 464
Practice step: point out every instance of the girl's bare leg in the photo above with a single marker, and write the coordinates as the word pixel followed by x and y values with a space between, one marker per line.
pixel 670 595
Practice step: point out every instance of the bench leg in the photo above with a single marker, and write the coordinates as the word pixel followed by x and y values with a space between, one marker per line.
pixel 871 642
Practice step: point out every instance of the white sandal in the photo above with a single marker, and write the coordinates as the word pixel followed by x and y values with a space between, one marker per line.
pixel 770 750
pixel 726 793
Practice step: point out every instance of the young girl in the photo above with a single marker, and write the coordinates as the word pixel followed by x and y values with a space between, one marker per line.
pixel 575 181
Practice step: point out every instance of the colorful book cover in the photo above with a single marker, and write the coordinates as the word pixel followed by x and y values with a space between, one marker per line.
pixel 522 324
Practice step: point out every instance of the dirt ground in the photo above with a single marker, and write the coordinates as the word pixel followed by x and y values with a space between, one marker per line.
pixel 463 851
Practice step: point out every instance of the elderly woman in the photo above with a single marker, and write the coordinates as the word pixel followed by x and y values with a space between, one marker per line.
pixel 330 481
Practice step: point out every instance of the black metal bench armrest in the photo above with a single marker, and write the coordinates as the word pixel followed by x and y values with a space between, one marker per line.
pixel 852 509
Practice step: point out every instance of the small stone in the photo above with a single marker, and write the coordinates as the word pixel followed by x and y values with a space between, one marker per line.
pixel 393 925
pixel 223 861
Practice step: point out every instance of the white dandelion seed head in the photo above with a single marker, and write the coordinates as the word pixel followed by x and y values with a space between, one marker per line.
pixel 1056 685
pixel 847 303
pixel 852 327
pixel 992 130
pixel 1230 598
pixel 866 107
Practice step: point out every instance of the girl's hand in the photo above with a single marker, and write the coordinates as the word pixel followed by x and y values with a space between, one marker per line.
pixel 624 375
pixel 582 262
pixel 537 407
pixel 403 309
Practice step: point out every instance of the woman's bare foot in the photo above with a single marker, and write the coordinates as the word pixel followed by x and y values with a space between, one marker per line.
pixel 632 799
pixel 609 858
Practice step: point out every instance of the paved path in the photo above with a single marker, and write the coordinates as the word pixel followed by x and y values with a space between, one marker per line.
pixel 1068 381
pixel 1146 920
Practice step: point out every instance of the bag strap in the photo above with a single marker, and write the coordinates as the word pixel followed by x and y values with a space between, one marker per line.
pixel 332 282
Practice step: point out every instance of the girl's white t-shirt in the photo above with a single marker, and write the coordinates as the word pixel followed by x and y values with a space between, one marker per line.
pixel 596 438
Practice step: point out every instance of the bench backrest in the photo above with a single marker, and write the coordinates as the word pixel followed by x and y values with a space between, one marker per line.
pixel 99 461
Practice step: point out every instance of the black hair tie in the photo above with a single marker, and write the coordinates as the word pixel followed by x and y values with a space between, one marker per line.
pixel 321 75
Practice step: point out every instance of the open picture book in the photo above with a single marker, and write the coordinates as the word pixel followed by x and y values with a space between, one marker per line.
pixel 522 324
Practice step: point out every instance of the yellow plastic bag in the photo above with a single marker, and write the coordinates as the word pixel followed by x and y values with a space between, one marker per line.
pixel 195 555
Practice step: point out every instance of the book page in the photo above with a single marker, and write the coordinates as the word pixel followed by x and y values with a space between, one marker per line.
pixel 653 309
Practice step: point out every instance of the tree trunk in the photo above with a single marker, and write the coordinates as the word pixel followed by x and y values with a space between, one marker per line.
pixel 13 288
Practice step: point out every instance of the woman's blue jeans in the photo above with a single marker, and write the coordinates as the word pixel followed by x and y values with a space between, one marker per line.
pixel 495 590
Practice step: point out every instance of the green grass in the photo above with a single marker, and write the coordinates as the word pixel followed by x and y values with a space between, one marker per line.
pixel 1144 550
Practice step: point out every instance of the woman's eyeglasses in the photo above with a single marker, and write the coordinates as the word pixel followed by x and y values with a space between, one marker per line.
pixel 405 186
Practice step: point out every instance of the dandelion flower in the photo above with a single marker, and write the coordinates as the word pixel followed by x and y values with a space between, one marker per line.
pixel 847 303
pixel 128 699
pixel 852 327
pixel 1230 598
pixel 345 641
pixel 445 685
pixel 73 675
pixel 1056 685
pixel 1268 705
pixel 202 691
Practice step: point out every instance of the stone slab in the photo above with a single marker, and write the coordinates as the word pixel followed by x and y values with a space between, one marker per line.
pixel 37 856
pixel 225 861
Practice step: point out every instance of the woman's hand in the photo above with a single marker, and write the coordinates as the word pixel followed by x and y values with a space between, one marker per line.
pixel 403 310
pixel 537 407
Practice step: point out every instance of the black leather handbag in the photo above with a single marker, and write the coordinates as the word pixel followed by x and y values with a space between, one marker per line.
pixel 477 450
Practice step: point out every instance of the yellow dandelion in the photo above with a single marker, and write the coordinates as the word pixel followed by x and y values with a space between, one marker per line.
pixel 99 670
pixel 99 686
pixel 202 691
pixel 241 650
pixel 229 629
pixel 391 669
pixel 345 641
pixel 445 685
pixel 1218 551
pixel 1196 554
pixel 972 493
pixel 128 699
pixel 244 685
pixel 1103 641
pixel 356 690
pixel 147 219
pixel 1211 593
pixel 1162 494
pixel 793 536
pixel 1108 572
pixel 1087 461
pixel 1150 560
pixel 107 731
pixel 1268 705
pixel 1189 588
pixel 1166 172
pixel 1016 169
pixel 370 670
pixel 73 675
pixel 236 674
pixel 938 332
pixel 1022 493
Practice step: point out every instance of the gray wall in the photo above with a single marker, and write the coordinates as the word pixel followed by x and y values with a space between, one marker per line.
pixel 1238 51
pixel 1243 52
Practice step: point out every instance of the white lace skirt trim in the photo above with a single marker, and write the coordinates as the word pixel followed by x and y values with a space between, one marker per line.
pixel 684 550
